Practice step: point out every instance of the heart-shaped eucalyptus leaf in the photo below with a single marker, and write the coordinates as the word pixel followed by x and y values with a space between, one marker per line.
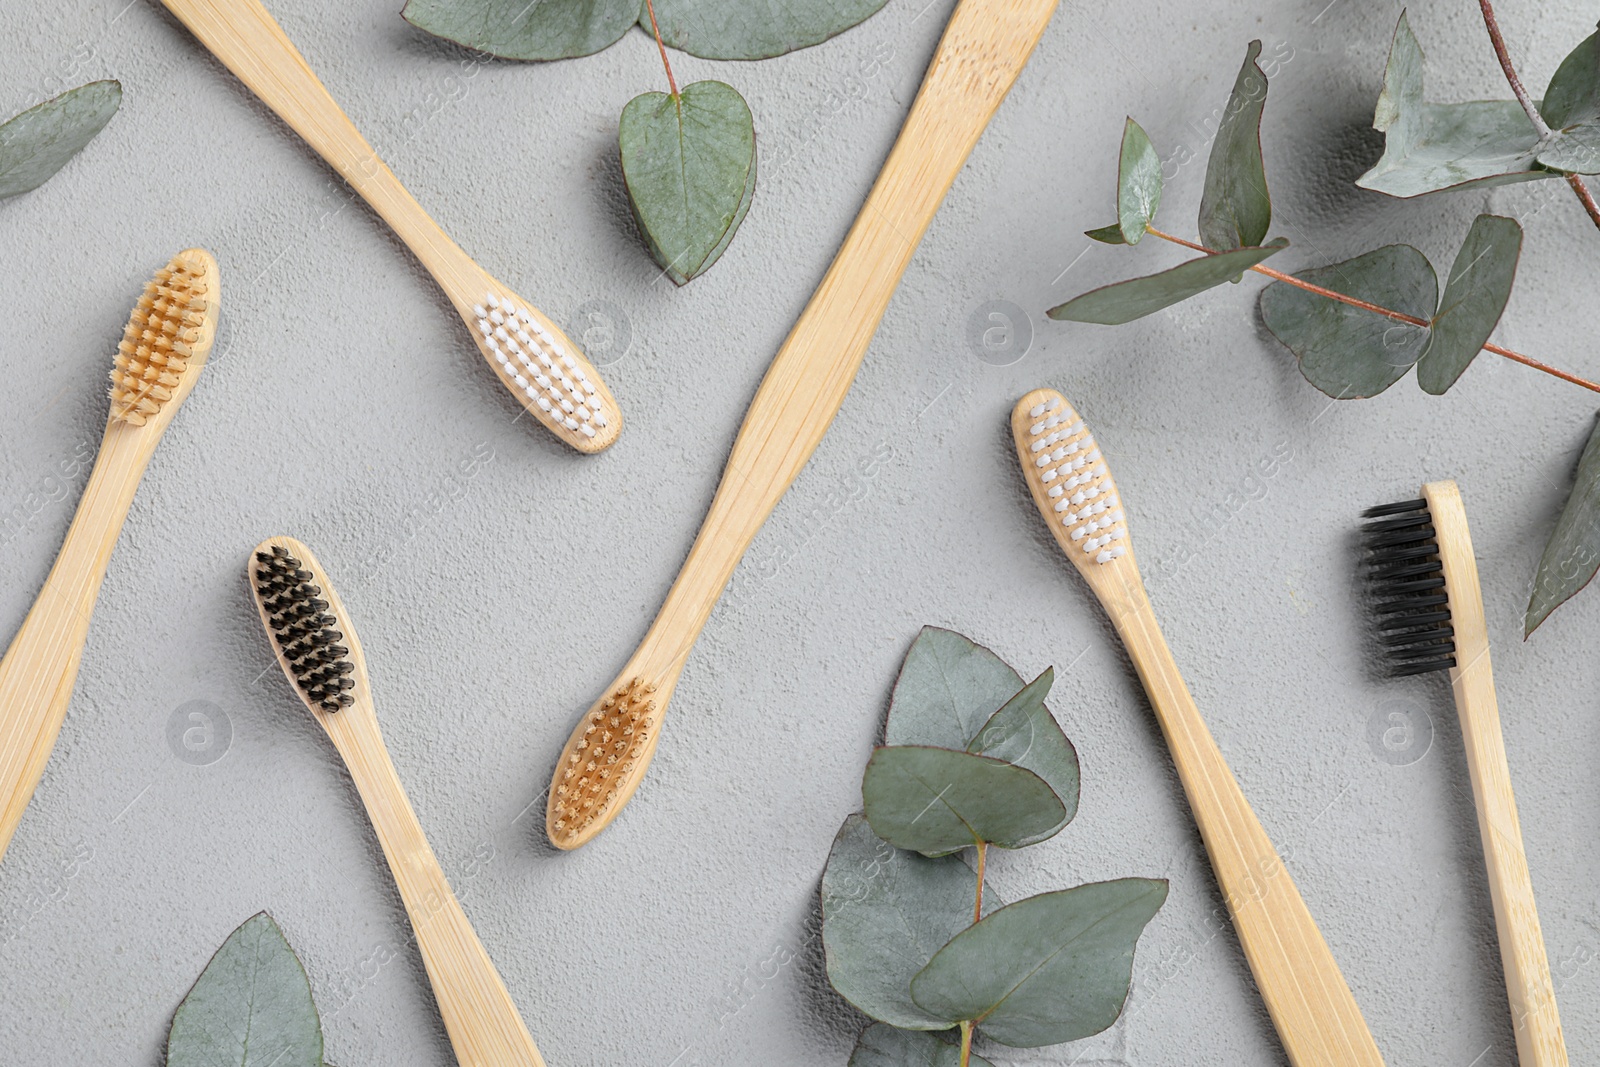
pixel 1048 969
pixel 1235 210
pixel 1475 296
pixel 1428 147
pixel 755 29
pixel 1571 108
pixel 38 142
pixel 1349 352
pixel 937 800
pixel 884 1046
pixel 885 912
pixel 1572 554
pixel 526 29
pixel 1120 302
pixel 1026 734
pixel 690 166
pixel 948 688
pixel 251 1007
pixel 1138 183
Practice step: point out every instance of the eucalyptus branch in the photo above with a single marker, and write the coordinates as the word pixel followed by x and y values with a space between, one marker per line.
pixel 966 1044
pixel 655 27
pixel 977 907
pixel 1376 309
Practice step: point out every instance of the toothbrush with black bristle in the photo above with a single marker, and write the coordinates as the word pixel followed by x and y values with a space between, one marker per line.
pixel 1430 618
pixel 321 656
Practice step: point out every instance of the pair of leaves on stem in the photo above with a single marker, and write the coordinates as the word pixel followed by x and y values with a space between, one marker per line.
pixel 898 930
pixel 37 143
pixel 1429 147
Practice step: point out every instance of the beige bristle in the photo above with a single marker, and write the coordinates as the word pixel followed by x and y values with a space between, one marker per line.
pixel 1069 479
pixel 171 325
pixel 600 759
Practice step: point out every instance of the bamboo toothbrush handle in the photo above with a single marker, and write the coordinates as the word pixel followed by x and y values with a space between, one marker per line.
pixel 482 1021
pixel 984 48
pixel 40 667
pixel 1522 953
pixel 1311 1006
pixel 250 43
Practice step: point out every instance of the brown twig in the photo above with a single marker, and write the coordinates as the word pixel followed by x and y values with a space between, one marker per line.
pixel 656 28
pixel 1377 309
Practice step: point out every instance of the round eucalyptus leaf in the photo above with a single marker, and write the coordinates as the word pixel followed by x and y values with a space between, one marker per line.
pixel 754 29
pixel 1024 733
pixel 526 29
pixel 38 142
pixel 881 1045
pixel 936 800
pixel 1048 969
pixel 948 688
pixel 1138 183
pixel 1475 296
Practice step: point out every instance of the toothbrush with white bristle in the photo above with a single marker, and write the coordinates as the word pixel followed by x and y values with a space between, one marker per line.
pixel 1314 1012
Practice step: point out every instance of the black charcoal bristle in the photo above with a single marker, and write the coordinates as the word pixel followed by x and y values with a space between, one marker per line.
pixel 306 633
pixel 1407 580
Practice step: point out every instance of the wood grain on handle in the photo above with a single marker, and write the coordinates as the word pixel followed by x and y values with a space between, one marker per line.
pixel 983 49
pixel 483 1023
pixel 1522 952
pixel 41 666
pixel 1312 1008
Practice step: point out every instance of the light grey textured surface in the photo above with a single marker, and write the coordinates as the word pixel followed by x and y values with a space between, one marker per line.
pixel 344 397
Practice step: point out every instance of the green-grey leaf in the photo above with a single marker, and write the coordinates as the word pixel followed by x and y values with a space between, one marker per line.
pixel 1573 553
pixel 754 29
pixel 1235 209
pixel 881 1045
pixel 251 1007
pixel 1107 235
pixel 1475 296
pixel 1048 969
pixel 1428 147
pixel 885 913
pixel 690 168
pixel 38 142
pixel 526 29
pixel 1349 352
pixel 937 800
pixel 1575 150
pixel 948 688
pixel 1573 95
pixel 1026 734
pixel 1120 302
pixel 1138 183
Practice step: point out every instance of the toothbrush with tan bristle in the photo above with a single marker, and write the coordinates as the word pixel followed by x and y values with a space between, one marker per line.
pixel 1311 1006
pixel 321 656
pixel 166 342
pixel 984 48
pixel 530 355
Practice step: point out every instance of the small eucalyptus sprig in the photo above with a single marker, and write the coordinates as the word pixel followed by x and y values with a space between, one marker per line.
pixel 972 760
pixel 40 141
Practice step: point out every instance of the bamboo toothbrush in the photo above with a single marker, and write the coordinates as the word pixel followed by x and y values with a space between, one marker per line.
pixel 543 369
pixel 321 657
pixel 982 52
pixel 1430 618
pixel 164 346
pixel 1310 1004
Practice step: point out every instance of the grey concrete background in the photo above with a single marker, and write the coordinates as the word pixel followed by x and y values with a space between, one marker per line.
pixel 344 397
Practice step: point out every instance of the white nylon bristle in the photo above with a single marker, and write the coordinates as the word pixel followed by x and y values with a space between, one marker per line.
pixel 1078 482
pixel 541 370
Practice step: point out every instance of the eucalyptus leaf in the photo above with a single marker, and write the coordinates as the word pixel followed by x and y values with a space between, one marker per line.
pixel 1428 147
pixel 251 1007
pixel 1024 733
pixel 1107 235
pixel 1572 554
pixel 1475 296
pixel 526 29
pixel 1120 302
pixel 885 912
pixel 948 688
pixel 1235 210
pixel 690 167
pixel 936 800
pixel 881 1045
pixel 1349 352
pixel 40 141
pixel 1573 96
pixel 1138 183
pixel 1048 969
pixel 754 29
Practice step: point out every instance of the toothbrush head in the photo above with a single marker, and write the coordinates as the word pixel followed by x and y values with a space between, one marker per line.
pixel 1406 575
pixel 310 632
pixel 168 337
pixel 1069 481
pixel 603 763
pixel 545 371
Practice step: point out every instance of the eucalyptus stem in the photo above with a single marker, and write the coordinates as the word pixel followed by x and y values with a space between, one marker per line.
pixel 1520 91
pixel 966 1043
pixel 977 906
pixel 655 28
pixel 1377 309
